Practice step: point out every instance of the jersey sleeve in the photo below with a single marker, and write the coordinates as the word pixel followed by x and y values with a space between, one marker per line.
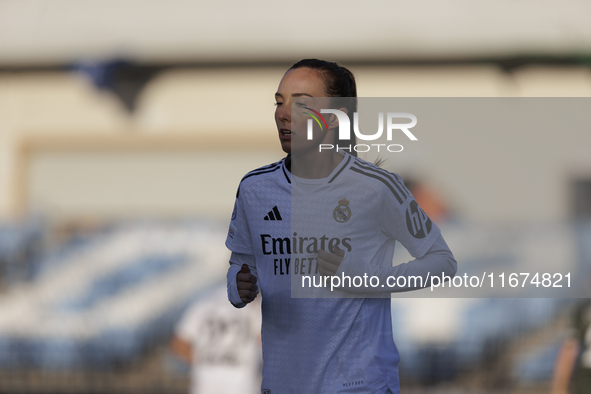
pixel 437 261
pixel 406 222
pixel 238 239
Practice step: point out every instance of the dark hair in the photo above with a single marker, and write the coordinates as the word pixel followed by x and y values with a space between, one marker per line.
pixel 338 82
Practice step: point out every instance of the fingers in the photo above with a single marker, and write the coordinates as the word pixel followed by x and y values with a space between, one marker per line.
pixel 323 271
pixel 328 263
pixel 244 275
pixel 246 283
pixel 246 278
pixel 247 296
pixel 338 251
pixel 330 258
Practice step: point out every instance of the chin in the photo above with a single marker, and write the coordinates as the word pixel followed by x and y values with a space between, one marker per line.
pixel 286 146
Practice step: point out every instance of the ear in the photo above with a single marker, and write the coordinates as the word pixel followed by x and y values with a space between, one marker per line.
pixel 333 121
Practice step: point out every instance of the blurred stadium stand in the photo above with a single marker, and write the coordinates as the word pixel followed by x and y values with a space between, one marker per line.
pixel 208 109
pixel 540 81
pixel 109 208
pixel 226 101
pixel 21 246
pixel 505 344
pixel 54 102
pixel 476 80
pixel 104 305
pixel 106 302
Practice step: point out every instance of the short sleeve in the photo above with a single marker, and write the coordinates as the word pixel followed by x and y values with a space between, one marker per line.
pixel 408 223
pixel 238 239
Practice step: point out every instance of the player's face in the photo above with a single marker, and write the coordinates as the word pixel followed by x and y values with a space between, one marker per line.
pixel 296 87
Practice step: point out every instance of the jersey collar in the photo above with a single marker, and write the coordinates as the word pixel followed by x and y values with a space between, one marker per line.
pixel 346 162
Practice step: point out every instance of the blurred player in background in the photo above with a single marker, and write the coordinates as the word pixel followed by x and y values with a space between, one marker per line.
pixel 352 214
pixel 222 345
pixel 572 373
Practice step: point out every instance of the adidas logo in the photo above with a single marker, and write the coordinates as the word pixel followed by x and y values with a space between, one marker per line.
pixel 274 214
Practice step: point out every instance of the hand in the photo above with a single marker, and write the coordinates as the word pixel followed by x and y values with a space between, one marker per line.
pixel 328 263
pixel 246 283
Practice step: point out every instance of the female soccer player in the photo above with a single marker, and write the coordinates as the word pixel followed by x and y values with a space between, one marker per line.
pixel 325 212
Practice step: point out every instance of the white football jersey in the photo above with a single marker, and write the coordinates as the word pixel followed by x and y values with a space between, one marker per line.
pixel 225 345
pixel 325 345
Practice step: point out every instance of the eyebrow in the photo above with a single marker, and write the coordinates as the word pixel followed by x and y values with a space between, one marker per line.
pixel 295 95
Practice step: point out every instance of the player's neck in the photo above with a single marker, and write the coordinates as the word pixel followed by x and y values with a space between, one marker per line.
pixel 315 165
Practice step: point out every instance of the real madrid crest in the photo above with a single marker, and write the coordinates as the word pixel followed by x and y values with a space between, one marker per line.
pixel 342 212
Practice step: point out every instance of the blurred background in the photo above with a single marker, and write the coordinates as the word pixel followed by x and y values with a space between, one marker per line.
pixel 126 126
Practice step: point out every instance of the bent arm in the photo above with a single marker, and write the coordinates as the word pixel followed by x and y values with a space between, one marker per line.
pixel 437 261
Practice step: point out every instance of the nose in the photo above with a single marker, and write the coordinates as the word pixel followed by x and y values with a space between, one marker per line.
pixel 284 112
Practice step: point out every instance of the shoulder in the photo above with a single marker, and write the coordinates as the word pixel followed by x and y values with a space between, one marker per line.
pixel 267 172
pixel 380 179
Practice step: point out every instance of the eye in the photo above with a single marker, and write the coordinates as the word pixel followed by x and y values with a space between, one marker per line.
pixel 277 104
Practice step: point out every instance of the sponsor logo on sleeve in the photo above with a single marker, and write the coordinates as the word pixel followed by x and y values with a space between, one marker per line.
pixel 417 221
pixel 231 232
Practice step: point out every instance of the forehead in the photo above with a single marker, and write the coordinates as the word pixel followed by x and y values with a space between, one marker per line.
pixel 302 81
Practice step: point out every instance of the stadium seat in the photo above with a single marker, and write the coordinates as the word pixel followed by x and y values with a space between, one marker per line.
pixel 108 301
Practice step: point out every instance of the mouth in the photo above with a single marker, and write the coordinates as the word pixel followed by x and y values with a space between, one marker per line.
pixel 285 132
